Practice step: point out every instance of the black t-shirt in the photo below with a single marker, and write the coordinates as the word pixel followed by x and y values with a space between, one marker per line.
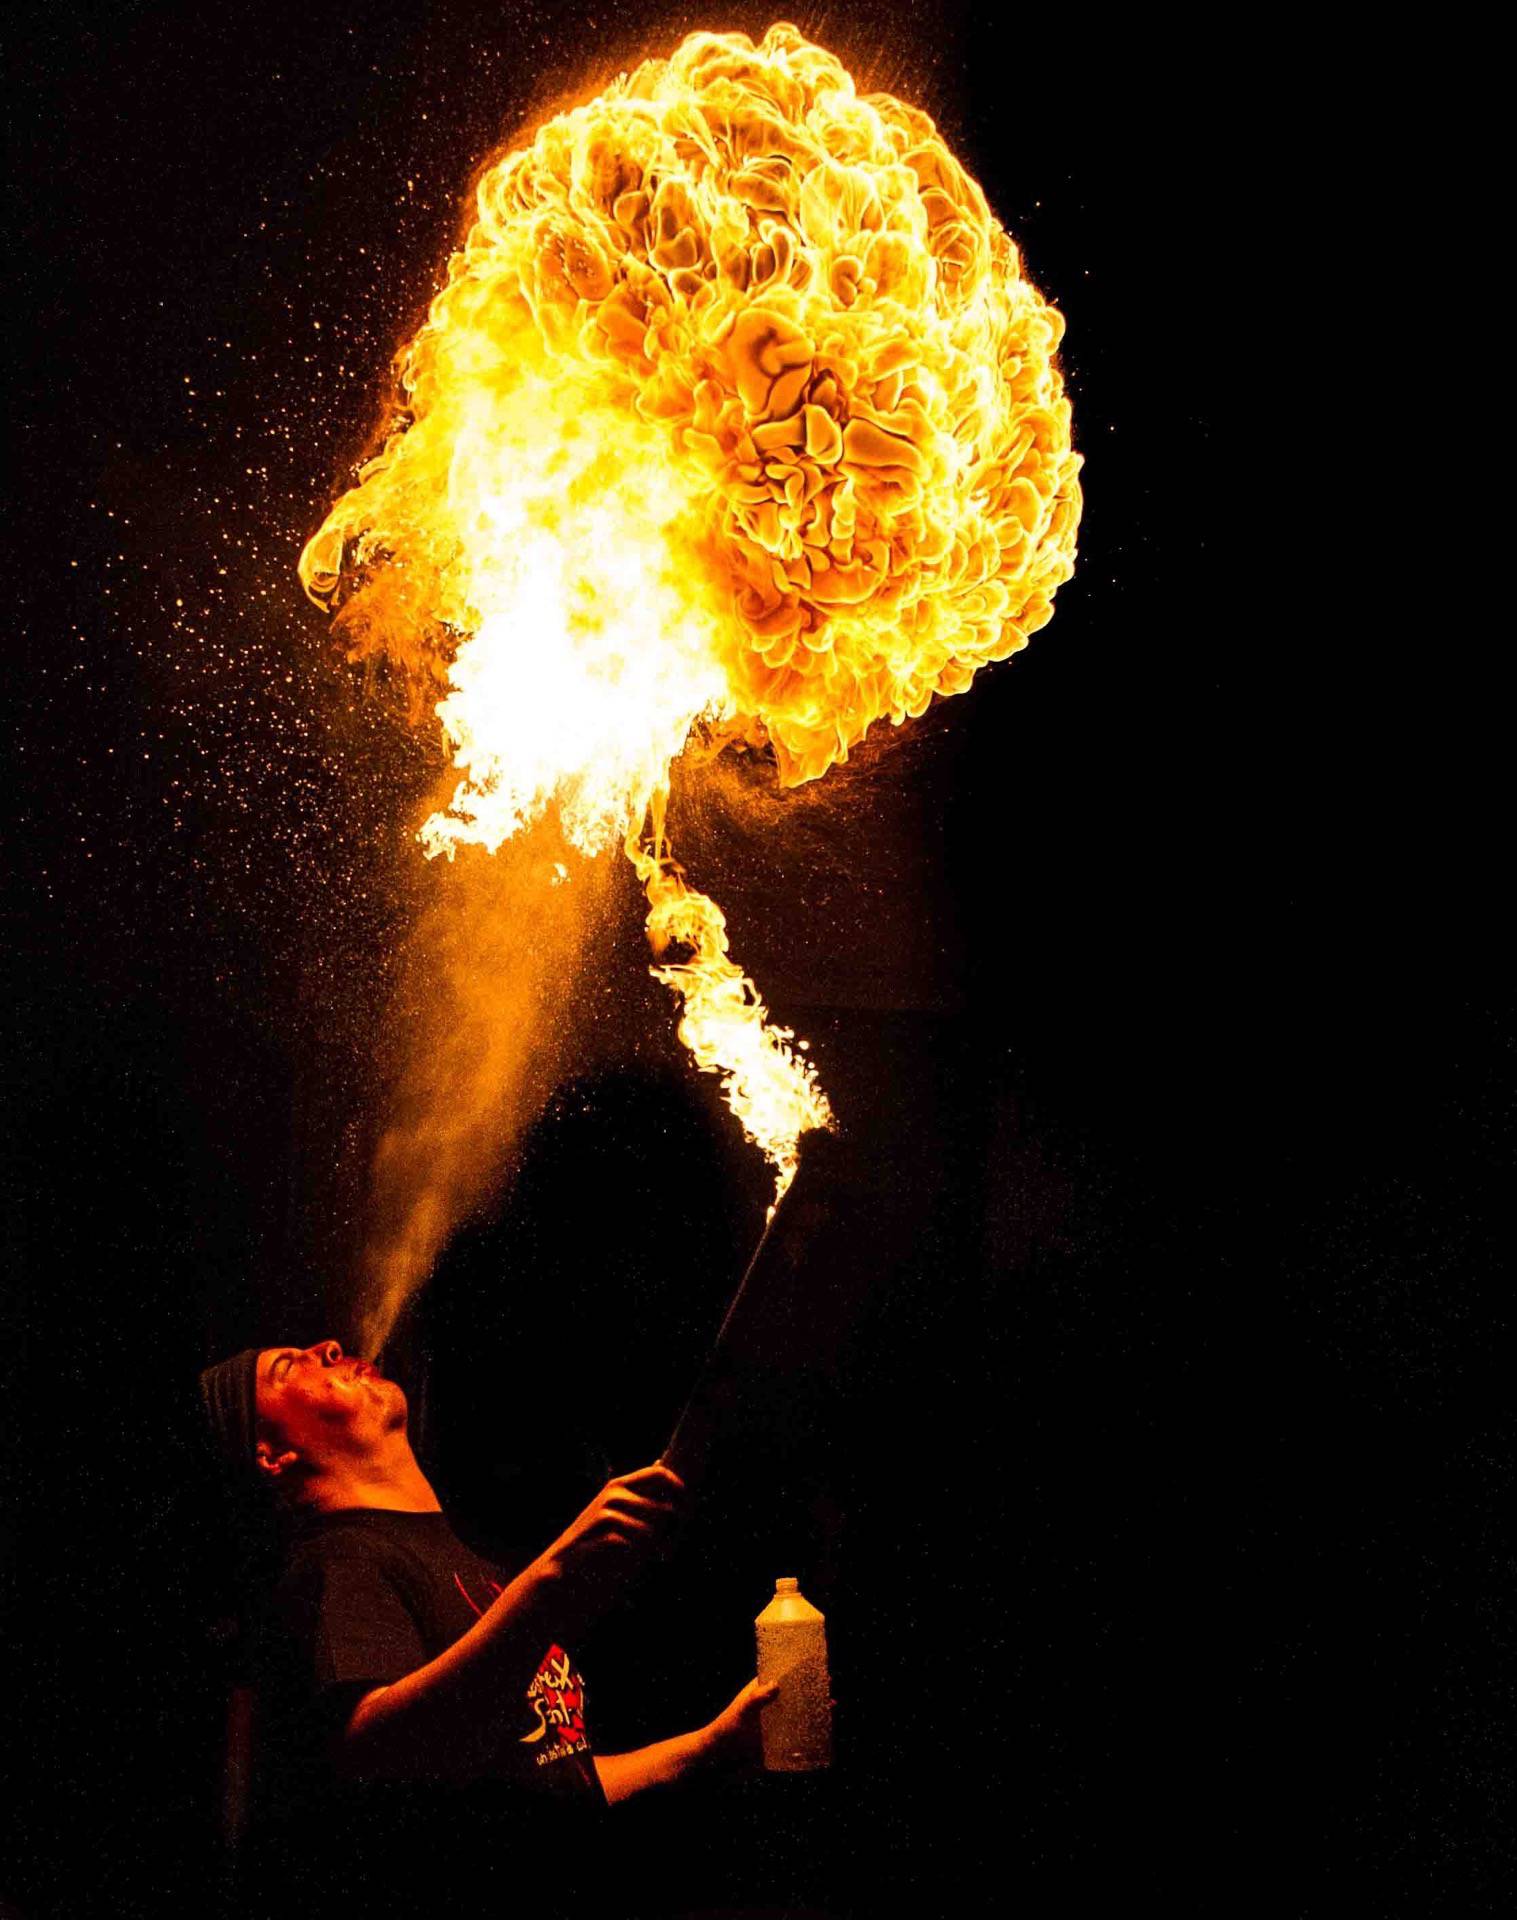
pixel 366 1597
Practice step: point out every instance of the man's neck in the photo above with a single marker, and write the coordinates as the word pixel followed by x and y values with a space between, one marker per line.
pixel 391 1481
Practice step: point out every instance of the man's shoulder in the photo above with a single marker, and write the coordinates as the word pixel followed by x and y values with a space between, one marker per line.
pixel 405 1548
pixel 355 1539
pixel 343 1567
pixel 408 1572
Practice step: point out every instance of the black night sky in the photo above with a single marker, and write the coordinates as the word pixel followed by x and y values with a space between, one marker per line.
pixel 1150 1454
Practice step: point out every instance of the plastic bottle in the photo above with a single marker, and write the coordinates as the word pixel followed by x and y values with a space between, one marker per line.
pixel 792 1649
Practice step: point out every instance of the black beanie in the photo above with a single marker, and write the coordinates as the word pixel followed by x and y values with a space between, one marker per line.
pixel 228 1392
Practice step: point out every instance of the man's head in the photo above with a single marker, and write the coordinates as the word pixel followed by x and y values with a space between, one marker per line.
pixel 322 1414
pixel 309 1421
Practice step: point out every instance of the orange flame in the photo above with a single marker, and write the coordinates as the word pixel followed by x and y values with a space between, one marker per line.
pixel 736 408
pixel 771 1090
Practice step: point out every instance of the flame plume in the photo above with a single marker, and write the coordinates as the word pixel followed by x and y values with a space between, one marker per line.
pixel 772 1092
pixel 736 408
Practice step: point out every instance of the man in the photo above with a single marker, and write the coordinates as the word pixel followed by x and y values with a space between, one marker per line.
pixel 423 1719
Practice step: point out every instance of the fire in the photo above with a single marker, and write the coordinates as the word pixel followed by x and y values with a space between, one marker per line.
pixel 772 1092
pixel 737 410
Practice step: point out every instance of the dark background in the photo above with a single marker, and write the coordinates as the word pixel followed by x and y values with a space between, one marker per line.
pixel 1150 1459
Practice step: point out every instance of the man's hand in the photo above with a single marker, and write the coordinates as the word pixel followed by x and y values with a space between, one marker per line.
pixel 623 1526
pixel 733 1738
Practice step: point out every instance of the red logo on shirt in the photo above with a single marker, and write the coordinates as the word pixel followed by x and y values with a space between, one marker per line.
pixel 557 1697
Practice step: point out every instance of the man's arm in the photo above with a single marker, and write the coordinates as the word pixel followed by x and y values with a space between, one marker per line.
pixel 447 1720
pixel 731 1739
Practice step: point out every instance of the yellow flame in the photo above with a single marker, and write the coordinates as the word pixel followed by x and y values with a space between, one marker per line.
pixel 736 407
pixel 771 1089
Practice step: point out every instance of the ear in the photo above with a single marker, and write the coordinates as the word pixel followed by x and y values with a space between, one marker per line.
pixel 273 1466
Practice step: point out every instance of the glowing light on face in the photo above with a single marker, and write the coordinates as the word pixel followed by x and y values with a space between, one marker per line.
pixel 738 409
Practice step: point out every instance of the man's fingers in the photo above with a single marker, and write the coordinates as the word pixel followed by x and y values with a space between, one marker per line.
pixel 628 1533
pixel 660 1481
pixel 758 1693
pixel 655 1519
pixel 617 1526
pixel 625 1500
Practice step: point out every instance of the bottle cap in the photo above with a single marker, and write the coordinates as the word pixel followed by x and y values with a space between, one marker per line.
pixel 789 1584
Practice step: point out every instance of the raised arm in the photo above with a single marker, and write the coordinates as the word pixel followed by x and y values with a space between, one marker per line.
pixel 448 1719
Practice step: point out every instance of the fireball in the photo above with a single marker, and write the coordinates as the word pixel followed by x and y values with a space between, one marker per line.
pixel 736 410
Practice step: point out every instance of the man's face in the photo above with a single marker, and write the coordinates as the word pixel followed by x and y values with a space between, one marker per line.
pixel 323 1403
